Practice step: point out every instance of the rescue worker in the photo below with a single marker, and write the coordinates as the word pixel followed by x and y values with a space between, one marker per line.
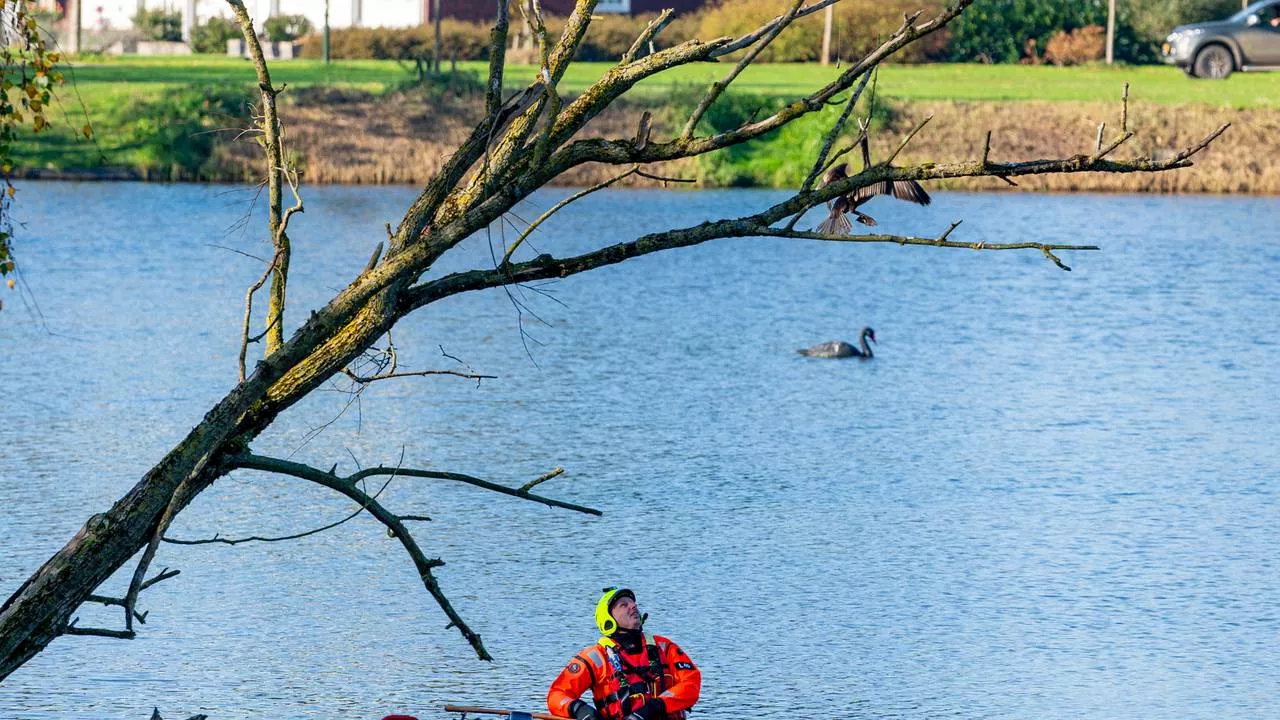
pixel 631 676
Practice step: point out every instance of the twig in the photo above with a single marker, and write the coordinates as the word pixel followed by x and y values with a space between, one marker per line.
pixel 539 480
pixel 1124 111
pixel 506 256
pixel 248 311
pixel 646 37
pixel 940 241
pixel 768 27
pixel 665 178
pixel 1103 152
pixel 830 139
pixel 907 139
pixel 1200 145
pixel 719 86
pixel 71 629
pixel 141 617
pixel 986 149
pixel 366 379
pixel 1102 126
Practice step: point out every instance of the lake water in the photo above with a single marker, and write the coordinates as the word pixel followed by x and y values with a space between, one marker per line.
pixel 1050 495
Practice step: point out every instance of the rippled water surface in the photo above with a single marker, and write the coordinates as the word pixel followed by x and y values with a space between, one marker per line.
pixel 1051 495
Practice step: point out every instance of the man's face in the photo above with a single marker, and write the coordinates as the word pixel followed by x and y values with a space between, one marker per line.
pixel 626 614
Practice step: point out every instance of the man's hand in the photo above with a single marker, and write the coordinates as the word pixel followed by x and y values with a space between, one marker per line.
pixel 583 710
pixel 654 709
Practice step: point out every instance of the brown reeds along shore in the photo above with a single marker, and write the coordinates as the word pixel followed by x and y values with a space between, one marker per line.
pixel 349 137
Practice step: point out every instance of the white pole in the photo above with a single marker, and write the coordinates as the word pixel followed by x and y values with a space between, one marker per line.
pixel 188 20
pixel 1111 31
pixel 826 36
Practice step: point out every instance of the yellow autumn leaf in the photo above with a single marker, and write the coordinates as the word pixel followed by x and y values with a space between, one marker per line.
pixel 39 123
pixel 87 130
pixel 10 283
pixel 12 191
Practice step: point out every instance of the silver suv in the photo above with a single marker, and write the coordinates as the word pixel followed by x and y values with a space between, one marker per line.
pixel 1246 41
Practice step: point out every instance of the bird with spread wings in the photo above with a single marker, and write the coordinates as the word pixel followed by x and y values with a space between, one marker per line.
pixel 841 206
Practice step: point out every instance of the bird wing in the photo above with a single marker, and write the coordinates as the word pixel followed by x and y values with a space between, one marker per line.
pixel 837 172
pixel 908 190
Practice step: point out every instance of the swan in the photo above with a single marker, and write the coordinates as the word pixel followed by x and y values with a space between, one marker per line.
pixel 842 349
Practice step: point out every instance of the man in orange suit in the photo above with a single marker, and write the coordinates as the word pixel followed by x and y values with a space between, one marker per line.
pixel 631 676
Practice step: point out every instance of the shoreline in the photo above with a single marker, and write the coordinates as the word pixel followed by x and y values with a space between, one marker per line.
pixel 403 139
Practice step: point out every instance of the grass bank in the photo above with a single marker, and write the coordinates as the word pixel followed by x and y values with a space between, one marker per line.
pixel 356 122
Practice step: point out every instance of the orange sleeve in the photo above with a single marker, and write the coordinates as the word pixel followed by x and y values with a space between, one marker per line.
pixel 569 685
pixel 687 684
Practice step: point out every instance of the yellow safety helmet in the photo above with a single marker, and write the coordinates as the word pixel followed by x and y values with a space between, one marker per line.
pixel 604 620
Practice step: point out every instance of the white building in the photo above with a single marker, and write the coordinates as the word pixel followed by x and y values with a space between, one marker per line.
pixel 116 14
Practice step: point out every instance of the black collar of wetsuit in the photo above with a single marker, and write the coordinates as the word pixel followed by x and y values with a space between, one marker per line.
pixel 631 641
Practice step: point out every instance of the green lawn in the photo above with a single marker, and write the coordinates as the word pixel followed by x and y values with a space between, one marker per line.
pixel 1164 85
pixel 143 109
pixel 1157 84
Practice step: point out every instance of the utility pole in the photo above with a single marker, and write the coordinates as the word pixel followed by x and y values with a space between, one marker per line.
pixel 435 16
pixel 188 20
pixel 326 32
pixel 73 26
pixel 1111 31
pixel 826 35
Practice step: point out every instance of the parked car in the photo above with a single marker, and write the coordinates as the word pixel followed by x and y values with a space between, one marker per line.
pixel 1246 41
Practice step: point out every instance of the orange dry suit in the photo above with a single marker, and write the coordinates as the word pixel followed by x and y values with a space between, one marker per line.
pixel 621 682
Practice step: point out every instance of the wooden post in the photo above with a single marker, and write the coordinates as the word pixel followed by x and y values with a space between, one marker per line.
pixel 1111 31
pixel 826 35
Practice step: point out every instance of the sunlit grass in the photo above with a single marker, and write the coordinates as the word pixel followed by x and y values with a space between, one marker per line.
pixel 110 90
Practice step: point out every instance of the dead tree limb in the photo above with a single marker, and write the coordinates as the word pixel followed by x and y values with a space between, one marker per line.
pixel 273 144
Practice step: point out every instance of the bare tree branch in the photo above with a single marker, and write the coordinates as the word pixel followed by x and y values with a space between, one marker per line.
pixel 525 488
pixel 273 145
pixel 901 146
pixel 506 257
pixel 820 163
pixel 768 27
pixel 349 486
pixel 650 32
pixel 719 86
pixel 366 379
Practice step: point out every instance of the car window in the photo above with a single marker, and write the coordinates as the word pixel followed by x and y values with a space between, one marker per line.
pixel 1270 16
pixel 1257 7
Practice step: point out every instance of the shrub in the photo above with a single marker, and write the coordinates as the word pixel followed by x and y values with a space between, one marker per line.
pixel 172 134
pixel 212 36
pixel 286 28
pixel 464 40
pixel 159 24
pixel 858 28
pixel 1079 46
pixel 1153 19
pixel 998 30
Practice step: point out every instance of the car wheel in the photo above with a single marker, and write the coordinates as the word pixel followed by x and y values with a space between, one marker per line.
pixel 1214 61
